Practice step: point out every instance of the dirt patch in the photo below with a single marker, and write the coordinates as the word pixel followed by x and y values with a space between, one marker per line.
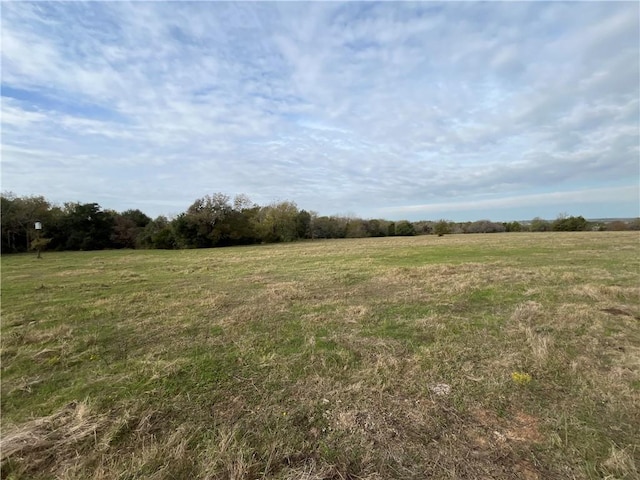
pixel 519 427
pixel 493 439
pixel 523 428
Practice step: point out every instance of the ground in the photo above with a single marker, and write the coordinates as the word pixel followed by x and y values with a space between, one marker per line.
pixel 465 356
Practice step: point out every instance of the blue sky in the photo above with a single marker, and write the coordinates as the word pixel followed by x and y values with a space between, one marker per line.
pixel 462 111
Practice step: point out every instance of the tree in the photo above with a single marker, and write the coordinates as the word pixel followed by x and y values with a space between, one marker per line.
pixel 303 224
pixel 355 228
pixel 128 225
pixel 192 231
pixel 203 224
pixel 322 227
pixel 617 226
pixel 329 227
pixel 391 229
pixel 569 224
pixel 423 227
pixel 540 225
pixel 376 228
pixel 484 226
pixel 17 220
pixel 442 227
pixel 40 244
pixel 405 228
pixel 85 227
pixel 157 234
pixel 512 226
pixel 278 222
pixel 242 202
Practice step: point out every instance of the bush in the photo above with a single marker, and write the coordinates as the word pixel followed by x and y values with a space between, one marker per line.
pixel 540 225
pixel 485 226
pixel 570 224
pixel 405 228
pixel 442 227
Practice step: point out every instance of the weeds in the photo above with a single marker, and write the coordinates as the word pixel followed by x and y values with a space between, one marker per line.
pixel 521 378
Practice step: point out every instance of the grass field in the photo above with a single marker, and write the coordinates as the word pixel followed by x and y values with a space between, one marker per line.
pixel 469 356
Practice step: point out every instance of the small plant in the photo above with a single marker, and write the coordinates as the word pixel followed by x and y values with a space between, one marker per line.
pixel 521 378
pixel 40 244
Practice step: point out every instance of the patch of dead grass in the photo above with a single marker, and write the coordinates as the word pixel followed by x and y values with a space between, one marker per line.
pixel 285 292
pixel 527 312
pixel 54 438
pixel 606 293
pixel 539 345
pixel 78 272
pixel 35 335
pixel 620 464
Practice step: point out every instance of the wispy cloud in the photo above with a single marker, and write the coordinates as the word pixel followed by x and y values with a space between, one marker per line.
pixel 568 198
pixel 358 107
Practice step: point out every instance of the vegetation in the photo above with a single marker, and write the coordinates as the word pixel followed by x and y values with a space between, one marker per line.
pixel 569 224
pixel 442 227
pixel 216 221
pixel 485 356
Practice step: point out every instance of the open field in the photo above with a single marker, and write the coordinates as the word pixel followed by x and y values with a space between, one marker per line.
pixel 478 356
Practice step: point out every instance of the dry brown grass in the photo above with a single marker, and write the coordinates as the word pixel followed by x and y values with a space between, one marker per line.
pixel 620 464
pixel 42 443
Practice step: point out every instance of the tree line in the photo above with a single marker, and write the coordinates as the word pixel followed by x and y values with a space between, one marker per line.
pixel 218 220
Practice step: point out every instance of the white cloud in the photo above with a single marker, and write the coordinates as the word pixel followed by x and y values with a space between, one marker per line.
pixel 569 198
pixel 338 106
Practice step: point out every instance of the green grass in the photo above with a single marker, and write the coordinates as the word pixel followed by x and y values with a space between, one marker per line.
pixel 326 359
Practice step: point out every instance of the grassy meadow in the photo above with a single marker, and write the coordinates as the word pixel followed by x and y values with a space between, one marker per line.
pixel 469 356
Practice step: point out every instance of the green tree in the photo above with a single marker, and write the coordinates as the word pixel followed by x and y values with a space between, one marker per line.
pixel 85 226
pixel 484 226
pixel 204 224
pixel 376 228
pixel 127 227
pixel 17 220
pixel 512 226
pixel 442 227
pixel 391 229
pixel 355 228
pixel 423 227
pixel 278 222
pixel 569 224
pixel 540 225
pixel 303 224
pixel 39 244
pixel 405 228
pixel 322 227
pixel 329 227
pixel 192 231
pixel 158 234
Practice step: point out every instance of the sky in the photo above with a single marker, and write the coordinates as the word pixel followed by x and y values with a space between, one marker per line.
pixel 418 111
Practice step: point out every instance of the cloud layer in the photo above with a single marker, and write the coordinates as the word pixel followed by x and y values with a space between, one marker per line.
pixel 379 109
